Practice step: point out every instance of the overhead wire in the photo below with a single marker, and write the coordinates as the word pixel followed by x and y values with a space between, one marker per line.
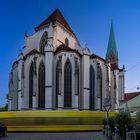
pixel 134 66
pixel 136 87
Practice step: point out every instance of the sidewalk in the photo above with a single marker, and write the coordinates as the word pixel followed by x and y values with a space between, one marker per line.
pixel 55 136
pixel 103 137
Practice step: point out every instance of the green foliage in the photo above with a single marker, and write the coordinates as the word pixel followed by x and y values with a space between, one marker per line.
pixel 4 108
pixel 137 122
pixel 138 117
pixel 104 122
pixel 111 123
pixel 123 122
pixel 123 119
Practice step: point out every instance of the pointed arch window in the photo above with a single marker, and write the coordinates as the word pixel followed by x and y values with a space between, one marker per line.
pixel 92 89
pixel 76 77
pixel 58 79
pixel 99 84
pixel 68 84
pixel 43 42
pixel 66 42
pixel 11 77
pixel 22 73
pixel 22 80
pixel 41 96
pixel 11 88
pixel 31 83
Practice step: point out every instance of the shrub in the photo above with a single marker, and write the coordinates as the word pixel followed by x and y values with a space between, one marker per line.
pixel 111 123
pixel 123 122
pixel 104 122
pixel 4 108
pixel 137 122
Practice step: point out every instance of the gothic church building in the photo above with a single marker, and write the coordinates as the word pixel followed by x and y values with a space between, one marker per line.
pixel 53 71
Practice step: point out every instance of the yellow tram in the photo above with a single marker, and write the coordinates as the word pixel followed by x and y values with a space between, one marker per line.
pixel 53 120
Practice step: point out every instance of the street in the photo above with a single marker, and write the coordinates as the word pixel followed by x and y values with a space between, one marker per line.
pixel 55 136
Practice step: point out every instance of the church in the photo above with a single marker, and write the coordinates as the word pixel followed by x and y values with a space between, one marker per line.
pixel 54 72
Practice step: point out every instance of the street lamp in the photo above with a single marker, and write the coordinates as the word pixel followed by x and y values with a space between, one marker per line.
pixel 107 107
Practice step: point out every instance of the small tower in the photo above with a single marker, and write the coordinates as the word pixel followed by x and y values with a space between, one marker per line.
pixel 112 53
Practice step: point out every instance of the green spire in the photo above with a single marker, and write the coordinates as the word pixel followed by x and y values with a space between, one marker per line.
pixel 112 49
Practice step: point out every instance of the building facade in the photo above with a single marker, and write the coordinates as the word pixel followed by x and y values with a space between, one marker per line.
pixel 53 71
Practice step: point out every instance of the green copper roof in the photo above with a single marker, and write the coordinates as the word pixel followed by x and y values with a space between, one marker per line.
pixel 112 49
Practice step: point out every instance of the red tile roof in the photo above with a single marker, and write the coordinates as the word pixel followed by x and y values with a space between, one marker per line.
pixel 129 96
pixel 55 16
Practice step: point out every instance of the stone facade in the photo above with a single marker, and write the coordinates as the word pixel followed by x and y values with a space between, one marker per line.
pixel 53 71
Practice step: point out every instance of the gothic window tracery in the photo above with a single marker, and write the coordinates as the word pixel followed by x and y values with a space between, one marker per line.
pixel 68 84
pixel 22 70
pixel 99 84
pixel 11 88
pixel 58 79
pixel 41 82
pixel 76 77
pixel 43 42
pixel 34 63
pixel 92 89
pixel 11 77
pixel 22 80
pixel 31 83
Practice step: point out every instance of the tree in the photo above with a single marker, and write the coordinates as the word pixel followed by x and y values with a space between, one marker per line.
pixel 137 125
pixel 104 122
pixel 4 108
pixel 111 123
pixel 123 122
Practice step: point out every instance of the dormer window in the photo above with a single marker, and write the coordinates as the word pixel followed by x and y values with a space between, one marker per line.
pixel 66 42
pixel 43 42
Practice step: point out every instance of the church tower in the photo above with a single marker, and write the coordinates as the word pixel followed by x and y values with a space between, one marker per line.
pixel 112 53
pixel 116 74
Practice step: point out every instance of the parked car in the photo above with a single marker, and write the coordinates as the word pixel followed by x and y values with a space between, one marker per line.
pixel 3 129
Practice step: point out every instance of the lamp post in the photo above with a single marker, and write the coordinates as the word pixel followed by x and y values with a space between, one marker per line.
pixel 107 107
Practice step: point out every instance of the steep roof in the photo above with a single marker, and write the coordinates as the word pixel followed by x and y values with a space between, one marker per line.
pixel 133 103
pixel 34 51
pixel 55 16
pixel 63 47
pixel 129 96
pixel 96 56
pixel 112 49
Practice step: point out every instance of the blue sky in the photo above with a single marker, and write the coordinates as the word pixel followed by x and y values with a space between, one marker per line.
pixel 89 19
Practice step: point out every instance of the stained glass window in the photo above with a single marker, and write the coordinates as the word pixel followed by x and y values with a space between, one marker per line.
pixel 67 84
pixel 41 96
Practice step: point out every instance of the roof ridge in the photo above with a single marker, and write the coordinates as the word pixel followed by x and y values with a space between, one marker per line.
pixel 55 16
